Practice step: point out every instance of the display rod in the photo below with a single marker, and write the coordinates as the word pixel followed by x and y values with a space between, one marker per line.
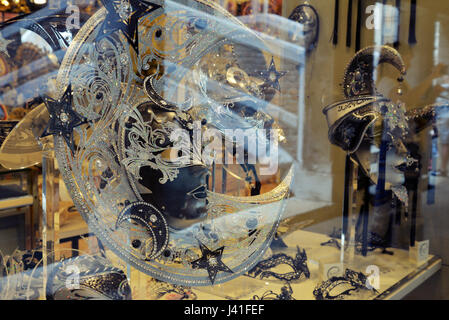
pixel 349 203
pixel 412 31
pixel 398 26
pixel 358 34
pixel 50 205
pixel 335 32
pixel 349 24
pixel 364 184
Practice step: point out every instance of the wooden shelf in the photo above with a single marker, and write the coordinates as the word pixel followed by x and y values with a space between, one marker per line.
pixel 74 226
pixel 16 202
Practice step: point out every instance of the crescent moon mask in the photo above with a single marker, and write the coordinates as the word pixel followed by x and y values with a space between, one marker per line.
pixel 142 189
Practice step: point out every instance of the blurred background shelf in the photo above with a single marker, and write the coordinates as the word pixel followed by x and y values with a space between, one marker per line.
pixel 19 198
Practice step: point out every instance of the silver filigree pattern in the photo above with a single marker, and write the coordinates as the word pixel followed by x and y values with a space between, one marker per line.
pixel 103 174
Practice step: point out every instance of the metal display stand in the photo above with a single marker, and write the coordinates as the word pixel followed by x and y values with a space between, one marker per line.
pixel 348 234
pixel 50 206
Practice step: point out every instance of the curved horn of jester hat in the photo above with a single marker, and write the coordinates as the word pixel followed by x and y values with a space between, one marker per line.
pixel 349 119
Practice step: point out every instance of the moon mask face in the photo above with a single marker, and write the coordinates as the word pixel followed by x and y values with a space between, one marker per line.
pixel 184 201
pixel 145 193
pixel 155 165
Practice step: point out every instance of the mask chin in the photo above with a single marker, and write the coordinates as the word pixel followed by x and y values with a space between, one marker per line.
pixel 367 156
pixel 348 134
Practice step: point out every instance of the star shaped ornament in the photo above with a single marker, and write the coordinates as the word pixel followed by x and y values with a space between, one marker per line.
pixel 4 43
pixel 124 15
pixel 211 261
pixel 63 119
pixel 272 76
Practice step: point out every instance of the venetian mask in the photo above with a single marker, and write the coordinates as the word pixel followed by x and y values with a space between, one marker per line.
pixel 84 277
pixel 307 30
pixel 376 132
pixel 96 279
pixel 145 195
pixel 373 129
pixel 339 288
pixel 283 267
